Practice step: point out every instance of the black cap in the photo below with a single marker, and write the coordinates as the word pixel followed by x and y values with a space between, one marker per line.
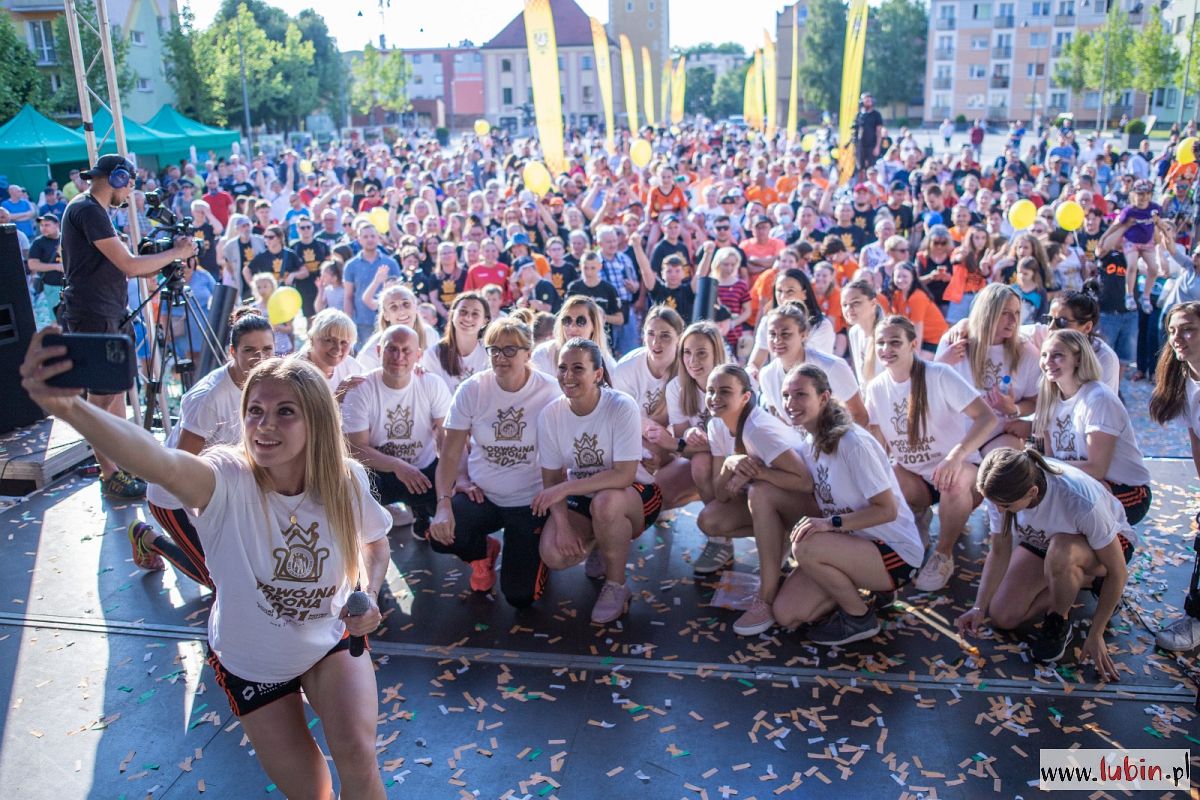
pixel 48 217
pixel 107 165
pixel 763 219
pixel 669 218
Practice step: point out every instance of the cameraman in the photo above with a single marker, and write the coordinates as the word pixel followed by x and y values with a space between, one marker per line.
pixel 97 268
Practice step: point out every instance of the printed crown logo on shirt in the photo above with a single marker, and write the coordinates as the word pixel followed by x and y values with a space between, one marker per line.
pixel 509 426
pixel 587 453
pixel 400 423
pixel 301 561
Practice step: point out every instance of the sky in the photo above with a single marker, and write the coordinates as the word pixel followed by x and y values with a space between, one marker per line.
pixel 442 22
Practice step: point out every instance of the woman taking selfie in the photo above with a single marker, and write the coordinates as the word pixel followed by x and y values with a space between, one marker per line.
pixel 290 488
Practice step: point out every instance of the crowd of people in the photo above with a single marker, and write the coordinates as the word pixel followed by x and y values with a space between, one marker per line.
pixel 824 364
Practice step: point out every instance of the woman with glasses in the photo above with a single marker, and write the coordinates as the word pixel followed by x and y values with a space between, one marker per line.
pixel 579 316
pixel 1078 311
pixel 331 336
pixel 496 412
pixel 933 262
pixel 277 259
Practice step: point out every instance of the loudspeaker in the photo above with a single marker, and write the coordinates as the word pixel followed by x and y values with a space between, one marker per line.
pixel 16 330
pixel 219 309
pixel 705 306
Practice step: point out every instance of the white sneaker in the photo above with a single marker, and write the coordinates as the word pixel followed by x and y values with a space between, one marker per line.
pixel 1130 303
pixel 1180 636
pixel 1147 305
pixel 935 574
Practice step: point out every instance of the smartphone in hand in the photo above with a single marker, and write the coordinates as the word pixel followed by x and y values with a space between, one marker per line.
pixel 103 363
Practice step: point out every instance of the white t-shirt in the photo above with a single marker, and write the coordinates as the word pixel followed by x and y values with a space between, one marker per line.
pixel 1110 365
pixel 675 413
pixel 846 480
pixel 347 369
pixel 770 380
pixel 633 377
pixel 1096 408
pixel 820 338
pixel 585 446
pixel 858 353
pixel 545 360
pixel 1023 382
pixel 280 586
pixel 764 436
pixel 476 362
pixel 212 410
pixel 368 355
pixel 398 422
pixel 946 424
pixel 503 425
pixel 1075 503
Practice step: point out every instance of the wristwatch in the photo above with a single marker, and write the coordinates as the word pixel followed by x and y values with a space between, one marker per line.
pixel 836 522
pixel 679 448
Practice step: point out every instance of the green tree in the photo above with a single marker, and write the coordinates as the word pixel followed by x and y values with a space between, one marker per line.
pixel 728 48
pixel 1109 63
pixel 66 99
pixel 699 97
pixel 20 80
pixel 1155 58
pixel 895 57
pixel 822 44
pixel 379 80
pixel 1071 68
pixel 294 61
pixel 728 91
pixel 193 96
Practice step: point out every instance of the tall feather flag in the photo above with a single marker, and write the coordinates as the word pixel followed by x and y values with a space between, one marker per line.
pixel 543 68
pixel 629 80
pixel 604 77
pixel 678 91
pixel 750 100
pixel 664 89
pixel 648 88
pixel 771 78
pixel 760 113
pixel 852 68
pixel 794 89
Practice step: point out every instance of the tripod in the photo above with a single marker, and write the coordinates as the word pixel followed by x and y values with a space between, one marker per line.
pixel 174 293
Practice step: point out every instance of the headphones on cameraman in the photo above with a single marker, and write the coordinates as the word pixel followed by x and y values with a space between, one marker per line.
pixel 119 178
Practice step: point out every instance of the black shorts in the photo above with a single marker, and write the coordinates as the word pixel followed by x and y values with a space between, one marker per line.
pixel 934 495
pixel 1126 549
pixel 1134 499
pixel 651 503
pixel 245 696
pixel 899 569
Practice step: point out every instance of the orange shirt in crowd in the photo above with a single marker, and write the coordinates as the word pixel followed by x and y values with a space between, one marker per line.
pixel 920 309
pixel 662 203
pixel 786 185
pixel 845 270
pixel 761 292
pixel 763 194
pixel 831 306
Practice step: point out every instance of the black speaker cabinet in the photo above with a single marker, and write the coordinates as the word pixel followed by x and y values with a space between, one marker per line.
pixel 16 329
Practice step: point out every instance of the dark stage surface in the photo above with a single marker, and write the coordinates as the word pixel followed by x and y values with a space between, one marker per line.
pixel 108 696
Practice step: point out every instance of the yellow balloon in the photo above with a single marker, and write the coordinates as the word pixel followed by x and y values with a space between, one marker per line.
pixel 1022 214
pixel 536 177
pixel 283 306
pixel 306 166
pixel 640 153
pixel 379 218
pixel 1069 216
pixel 482 127
pixel 1186 152
pixel 808 141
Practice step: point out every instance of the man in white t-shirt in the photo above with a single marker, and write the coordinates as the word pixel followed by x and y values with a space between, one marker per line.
pixel 393 421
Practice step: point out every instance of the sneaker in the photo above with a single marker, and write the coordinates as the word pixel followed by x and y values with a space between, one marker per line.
pixel 1147 305
pixel 612 603
pixel 124 485
pixel 594 566
pixel 1180 636
pixel 143 557
pixel 841 628
pixel 1049 644
pixel 402 515
pixel 716 556
pixel 935 574
pixel 883 601
pixel 758 619
pixel 420 526
pixel 1130 303
pixel 483 571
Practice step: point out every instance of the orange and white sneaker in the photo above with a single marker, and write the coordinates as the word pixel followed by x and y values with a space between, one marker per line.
pixel 483 570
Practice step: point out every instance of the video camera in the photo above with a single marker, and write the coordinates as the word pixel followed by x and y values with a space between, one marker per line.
pixel 162 238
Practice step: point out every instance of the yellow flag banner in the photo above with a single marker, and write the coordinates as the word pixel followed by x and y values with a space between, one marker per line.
pixel 648 88
pixel 604 77
pixel 629 79
pixel 678 91
pixel 664 89
pixel 852 67
pixel 771 78
pixel 543 70
pixel 793 119
pixel 748 96
pixel 760 114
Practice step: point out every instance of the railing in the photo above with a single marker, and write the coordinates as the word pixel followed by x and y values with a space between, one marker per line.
pixel 1064 19
pixel 944 54
pixel 945 23
pixel 1057 50
pixel 1003 22
pixel 1001 52
pixel 1000 81
pixel 942 82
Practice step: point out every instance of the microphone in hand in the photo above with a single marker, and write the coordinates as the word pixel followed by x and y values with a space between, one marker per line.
pixel 356 605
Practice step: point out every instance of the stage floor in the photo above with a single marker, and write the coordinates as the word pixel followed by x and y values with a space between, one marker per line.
pixel 109 697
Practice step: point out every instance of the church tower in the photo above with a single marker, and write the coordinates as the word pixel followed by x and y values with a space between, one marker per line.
pixel 647 24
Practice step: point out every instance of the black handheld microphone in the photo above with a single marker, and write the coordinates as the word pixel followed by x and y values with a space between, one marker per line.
pixel 357 605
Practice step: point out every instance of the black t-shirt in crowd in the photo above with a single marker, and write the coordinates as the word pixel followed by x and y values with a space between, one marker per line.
pixel 242 189
pixel 903 217
pixel 664 249
pixel 95 288
pixel 864 220
pixel 852 236
pixel 682 299
pixel 423 283
pixel 603 293
pixel 45 249
pixel 278 264
pixel 545 292
pixel 311 256
pixel 868 123
pixel 448 288
pixel 562 277
pixel 206 245
pixel 1112 282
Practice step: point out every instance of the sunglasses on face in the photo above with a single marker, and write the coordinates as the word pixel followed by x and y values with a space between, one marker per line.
pixel 269 236
pixel 1058 322
pixel 722 227
pixel 577 322
pixel 508 351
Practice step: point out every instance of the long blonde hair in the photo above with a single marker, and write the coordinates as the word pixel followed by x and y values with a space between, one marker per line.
pixel 327 463
pixel 1087 370
pixel 981 326
pixel 594 314
pixel 418 324
pixel 691 394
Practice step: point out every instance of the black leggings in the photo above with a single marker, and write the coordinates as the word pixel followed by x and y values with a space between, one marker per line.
pixel 523 577
pixel 181 544
pixel 390 489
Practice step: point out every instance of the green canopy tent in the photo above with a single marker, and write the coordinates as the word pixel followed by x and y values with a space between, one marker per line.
pixel 152 148
pixel 31 145
pixel 202 137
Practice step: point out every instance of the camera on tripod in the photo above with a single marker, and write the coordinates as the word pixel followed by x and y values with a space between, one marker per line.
pixel 162 238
